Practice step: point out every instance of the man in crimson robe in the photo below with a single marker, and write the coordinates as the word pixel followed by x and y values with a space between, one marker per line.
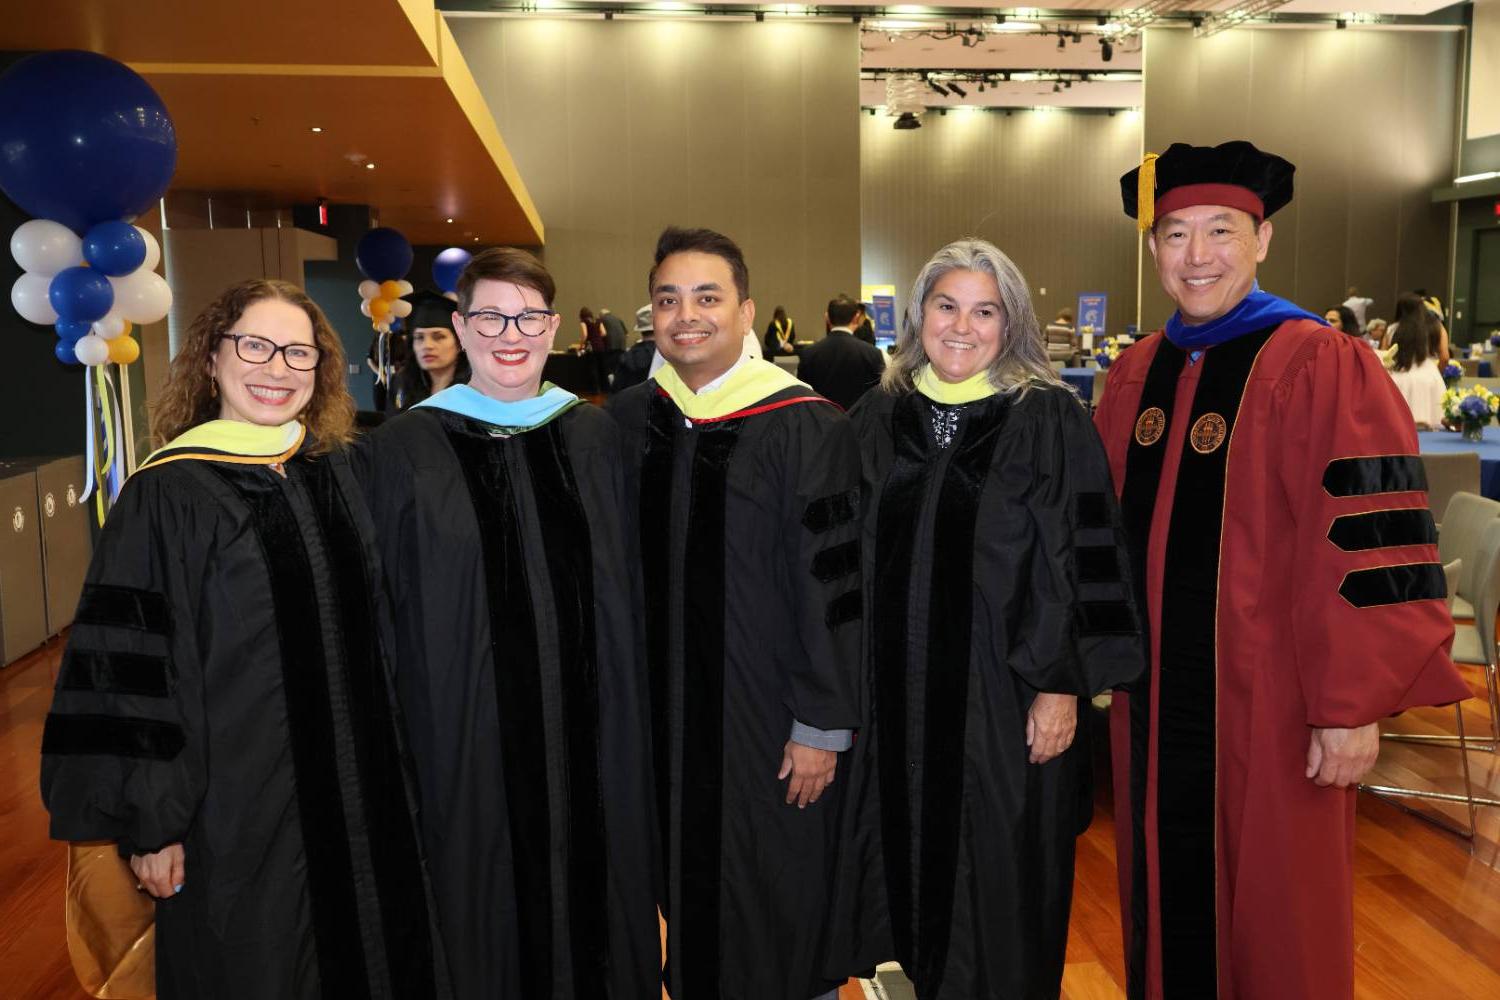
pixel 1269 479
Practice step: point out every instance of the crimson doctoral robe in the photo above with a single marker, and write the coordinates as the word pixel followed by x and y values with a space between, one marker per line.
pixel 1278 518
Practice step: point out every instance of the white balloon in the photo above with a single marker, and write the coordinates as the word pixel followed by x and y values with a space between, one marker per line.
pixel 401 308
pixel 153 250
pixel 44 247
pixel 405 287
pixel 92 350
pixel 364 307
pixel 383 327
pixel 369 289
pixel 29 296
pixel 141 296
pixel 110 326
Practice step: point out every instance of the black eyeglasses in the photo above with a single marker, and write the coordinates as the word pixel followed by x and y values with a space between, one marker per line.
pixel 492 322
pixel 258 351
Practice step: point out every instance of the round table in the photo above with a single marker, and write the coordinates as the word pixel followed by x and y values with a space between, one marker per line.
pixel 1081 379
pixel 1451 442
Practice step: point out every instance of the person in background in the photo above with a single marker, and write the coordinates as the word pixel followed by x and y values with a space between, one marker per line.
pixel 397 352
pixel 839 367
pixel 997 560
pixel 497 505
pixel 225 711
pixel 1064 317
pixel 1375 331
pixel 614 345
pixel 1419 310
pixel 781 335
pixel 437 360
pixel 864 329
pixel 1341 318
pixel 1359 306
pixel 635 367
pixel 1415 370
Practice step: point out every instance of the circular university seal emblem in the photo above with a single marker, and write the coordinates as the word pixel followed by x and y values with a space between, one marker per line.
pixel 49 505
pixel 18 521
pixel 1208 433
pixel 72 496
pixel 1150 426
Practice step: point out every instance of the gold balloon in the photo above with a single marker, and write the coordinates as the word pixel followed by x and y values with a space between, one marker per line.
pixel 124 350
pixel 390 290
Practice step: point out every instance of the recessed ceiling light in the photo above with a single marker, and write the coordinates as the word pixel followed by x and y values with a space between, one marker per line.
pixel 317 128
pixel 369 166
pixel 450 220
pixel 476 239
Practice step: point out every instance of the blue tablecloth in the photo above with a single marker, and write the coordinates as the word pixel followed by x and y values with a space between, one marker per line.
pixel 1450 442
pixel 1081 379
pixel 1486 370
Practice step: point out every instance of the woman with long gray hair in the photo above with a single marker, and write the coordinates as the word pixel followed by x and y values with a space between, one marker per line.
pixel 999 595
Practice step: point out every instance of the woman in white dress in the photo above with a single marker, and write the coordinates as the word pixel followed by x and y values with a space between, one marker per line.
pixel 1415 371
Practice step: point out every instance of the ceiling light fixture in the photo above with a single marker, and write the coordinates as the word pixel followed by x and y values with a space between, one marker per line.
pixel 1106 50
pixel 907 121
pixel 450 222
pixel 369 166
pixel 954 88
pixel 317 128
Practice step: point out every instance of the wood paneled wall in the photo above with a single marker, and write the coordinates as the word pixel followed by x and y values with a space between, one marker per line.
pixel 1043 186
pixel 621 128
pixel 1368 117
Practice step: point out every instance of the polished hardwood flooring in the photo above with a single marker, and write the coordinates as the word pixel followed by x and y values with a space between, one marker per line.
pixel 1427 909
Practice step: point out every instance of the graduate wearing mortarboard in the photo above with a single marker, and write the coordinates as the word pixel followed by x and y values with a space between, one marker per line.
pixel 1269 478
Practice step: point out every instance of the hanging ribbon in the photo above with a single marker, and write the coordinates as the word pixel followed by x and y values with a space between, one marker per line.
pixel 88 435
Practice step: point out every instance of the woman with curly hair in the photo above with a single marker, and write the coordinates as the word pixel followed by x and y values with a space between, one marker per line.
pixel 223 713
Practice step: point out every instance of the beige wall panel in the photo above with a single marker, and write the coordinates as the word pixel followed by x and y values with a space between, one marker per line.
pixel 1367 117
pixel 621 128
pixel 1043 186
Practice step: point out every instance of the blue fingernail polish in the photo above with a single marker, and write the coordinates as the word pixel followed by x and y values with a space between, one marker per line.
pixel 176 888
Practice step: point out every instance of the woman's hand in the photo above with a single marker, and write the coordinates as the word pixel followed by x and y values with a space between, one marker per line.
pixel 1050 724
pixel 160 874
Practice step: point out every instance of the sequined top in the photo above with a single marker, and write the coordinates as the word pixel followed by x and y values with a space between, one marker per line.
pixel 945 418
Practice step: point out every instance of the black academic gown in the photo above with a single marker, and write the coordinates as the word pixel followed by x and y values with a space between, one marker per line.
pixel 224 687
pixel 996 569
pixel 516 665
pixel 748 529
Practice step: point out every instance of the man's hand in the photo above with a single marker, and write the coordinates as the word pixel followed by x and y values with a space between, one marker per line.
pixel 1050 724
pixel 160 874
pixel 1341 757
pixel 811 771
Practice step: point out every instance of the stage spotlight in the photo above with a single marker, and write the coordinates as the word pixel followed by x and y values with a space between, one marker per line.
pixel 1340 24
pixel 1106 50
pixel 907 121
pixel 1062 41
pixel 938 87
pixel 954 88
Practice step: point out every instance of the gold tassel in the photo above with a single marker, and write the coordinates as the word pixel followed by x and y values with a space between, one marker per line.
pixel 1145 194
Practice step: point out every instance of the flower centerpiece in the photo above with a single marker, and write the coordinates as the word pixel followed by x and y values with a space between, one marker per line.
pixel 1106 352
pixel 1452 372
pixel 1495 338
pixel 1470 410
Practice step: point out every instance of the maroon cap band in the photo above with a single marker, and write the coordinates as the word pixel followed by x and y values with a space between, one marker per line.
pixel 1230 195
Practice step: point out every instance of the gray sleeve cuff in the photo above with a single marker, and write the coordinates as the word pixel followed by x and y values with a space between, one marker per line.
pixel 822 739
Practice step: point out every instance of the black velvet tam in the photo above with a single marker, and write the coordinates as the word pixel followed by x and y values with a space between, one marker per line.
pixel 1232 173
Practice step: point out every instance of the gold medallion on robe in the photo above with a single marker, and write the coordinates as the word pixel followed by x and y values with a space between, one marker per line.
pixel 1150 426
pixel 1208 433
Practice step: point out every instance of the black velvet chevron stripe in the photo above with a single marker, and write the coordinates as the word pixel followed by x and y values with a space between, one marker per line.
pixel 1359 477
pixel 947 674
pixel 899 503
pixel 827 513
pixel 1186 765
pixel 703 712
pixel 406 922
pixel 1143 468
pixel 123 607
pixel 111 735
pixel 570 567
pixel 1380 529
pixel 1097 563
pixel 518 695
pixel 1091 510
pixel 114 672
pixel 655 541
pixel 314 745
pixel 836 562
pixel 847 607
pixel 1371 588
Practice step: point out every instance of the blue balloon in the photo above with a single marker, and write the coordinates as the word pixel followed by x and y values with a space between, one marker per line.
pixel 448 265
pixel 116 248
pixel 64 351
pixel 74 330
pixel 86 139
pixel 81 294
pixel 383 255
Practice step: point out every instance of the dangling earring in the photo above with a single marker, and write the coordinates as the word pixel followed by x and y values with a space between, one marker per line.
pixel 213 387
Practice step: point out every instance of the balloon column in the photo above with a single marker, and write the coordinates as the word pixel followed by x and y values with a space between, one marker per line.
pixel 384 256
pixel 88 145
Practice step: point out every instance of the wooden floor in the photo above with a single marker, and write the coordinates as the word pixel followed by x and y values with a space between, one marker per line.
pixel 1427 910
